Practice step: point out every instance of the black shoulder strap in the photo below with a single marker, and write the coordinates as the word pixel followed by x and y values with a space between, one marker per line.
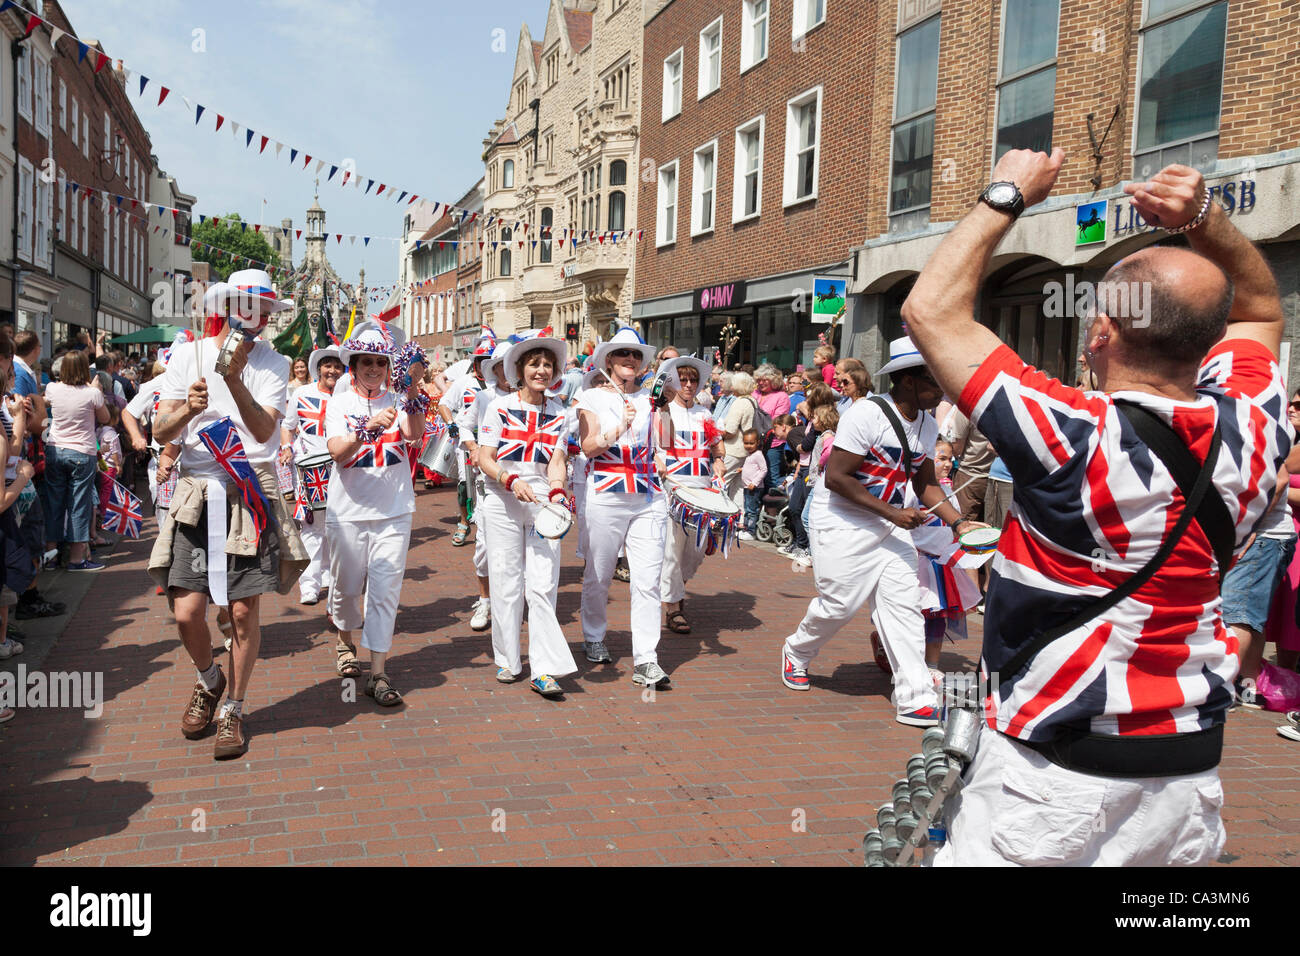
pixel 898 431
pixel 1196 496
pixel 1212 515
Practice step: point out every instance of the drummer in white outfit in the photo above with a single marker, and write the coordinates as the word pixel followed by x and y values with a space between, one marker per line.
pixel 303 434
pixel 463 395
pixel 692 458
pixel 522 453
pixel 624 503
pixel 371 500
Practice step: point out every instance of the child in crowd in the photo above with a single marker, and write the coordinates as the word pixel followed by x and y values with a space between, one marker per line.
pixel 943 469
pixel 775 441
pixel 110 466
pixel 753 474
pixel 824 362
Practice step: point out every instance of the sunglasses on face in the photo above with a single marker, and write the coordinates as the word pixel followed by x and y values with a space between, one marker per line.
pixel 1296 405
pixel 625 353
pixel 373 362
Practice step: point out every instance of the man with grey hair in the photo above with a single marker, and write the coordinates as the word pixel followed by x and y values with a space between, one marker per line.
pixel 1113 670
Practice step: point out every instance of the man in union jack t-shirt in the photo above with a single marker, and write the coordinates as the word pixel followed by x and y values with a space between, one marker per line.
pixel 1102 744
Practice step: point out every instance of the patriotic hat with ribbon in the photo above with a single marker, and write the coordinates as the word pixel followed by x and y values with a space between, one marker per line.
pixel 483 347
pixel 215 300
pixel 367 339
pixel 253 296
pixel 319 355
pixel 624 338
pixel 902 354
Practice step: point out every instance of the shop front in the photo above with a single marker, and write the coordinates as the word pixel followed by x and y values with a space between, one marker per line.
pixel 75 309
pixel 770 320
pixel 122 310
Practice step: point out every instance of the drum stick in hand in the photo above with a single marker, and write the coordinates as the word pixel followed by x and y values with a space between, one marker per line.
pixel 930 511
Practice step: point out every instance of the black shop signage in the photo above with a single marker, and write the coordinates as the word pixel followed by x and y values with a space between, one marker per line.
pixel 714 297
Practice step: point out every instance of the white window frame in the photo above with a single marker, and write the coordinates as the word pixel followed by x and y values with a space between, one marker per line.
pixel 680 56
pixel 25 86
pixel 739 172
pixel 26 177
pixel 106 254
pixel 702 91
pixel 697 196
pixel 76 119
pixel 74 223
pixel 85 227
pixel 63 105
pixel 85 134
pixel 801 26
pixel 661 208
pixel 747 21
pixel 792 147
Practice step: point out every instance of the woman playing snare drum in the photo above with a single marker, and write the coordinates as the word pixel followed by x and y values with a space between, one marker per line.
pixel 522 451
pixel 692 458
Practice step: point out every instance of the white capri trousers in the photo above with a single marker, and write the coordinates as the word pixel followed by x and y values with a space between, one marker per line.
pixel 1017 808
pixel 579 484
pixel 317 576
pixel 525 568
pixel 370 557
pixel 682 558
pixel 481 566
pixel 850 569
pixel 615 521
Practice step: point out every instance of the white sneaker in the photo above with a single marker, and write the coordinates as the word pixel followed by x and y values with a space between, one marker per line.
pixel 482 617
pixel 9 648
pixel 745 536
pixel 802 557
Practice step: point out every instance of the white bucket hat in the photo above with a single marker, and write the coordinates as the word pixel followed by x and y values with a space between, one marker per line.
pixel 624 338
pixel 215 299
pixel 499 354
pixel 559 352
pixel 365 341
pixel 320 355
pixel 251 293
pixel 902 354
pixel 670 368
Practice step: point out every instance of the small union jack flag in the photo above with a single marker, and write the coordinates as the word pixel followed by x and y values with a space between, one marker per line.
pixel 222 439
pixel 122 514
pixel 386 450
pixel 311 414
pixel 625 470
pixel 529 437
pixel 689 457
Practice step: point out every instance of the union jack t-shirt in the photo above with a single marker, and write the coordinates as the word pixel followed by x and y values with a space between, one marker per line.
pixel 1091 504
pixel 306 419
pixel 375 480
pixel 526 437
pixel 688 460
pixel 627 467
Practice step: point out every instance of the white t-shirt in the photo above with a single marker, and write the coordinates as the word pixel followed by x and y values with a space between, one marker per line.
pixel 459 398
pixel 267 378
pixel 621 468
pixel 305 419
pixel 525 438
pixel 1277 522
pixel 863 428
pixel 376 481
pixel 690 461
pixel 143 406
pixel 472 417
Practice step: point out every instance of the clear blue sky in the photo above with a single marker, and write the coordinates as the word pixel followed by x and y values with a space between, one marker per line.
pixel 406 89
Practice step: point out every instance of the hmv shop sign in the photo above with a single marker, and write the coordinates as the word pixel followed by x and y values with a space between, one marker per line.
pixel 714 297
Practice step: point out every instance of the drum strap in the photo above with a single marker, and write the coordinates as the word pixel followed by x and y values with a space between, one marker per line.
pixel 906 452
pixel 1182 465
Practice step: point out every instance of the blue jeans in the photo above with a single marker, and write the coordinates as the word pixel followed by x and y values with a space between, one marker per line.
pixel 798 494
pixel 1249 585
pixel 753 502
pixel 774 468
pixel 70 485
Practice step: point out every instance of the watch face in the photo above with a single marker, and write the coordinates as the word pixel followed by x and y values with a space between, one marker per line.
pixel 1002 193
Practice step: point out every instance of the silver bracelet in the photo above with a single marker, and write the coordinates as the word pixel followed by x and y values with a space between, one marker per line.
pixel 1195 220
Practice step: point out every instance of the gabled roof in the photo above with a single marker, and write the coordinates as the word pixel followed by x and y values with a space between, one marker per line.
pixel 537 55
pixel 578 23
pixel 508 136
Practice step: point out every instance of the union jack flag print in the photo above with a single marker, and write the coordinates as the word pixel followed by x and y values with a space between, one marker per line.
pixel 689 457
pixel 222 439
pixel 529 437
pixel 311 414
pixel 624 470
pixel 386 450
pixel 122 513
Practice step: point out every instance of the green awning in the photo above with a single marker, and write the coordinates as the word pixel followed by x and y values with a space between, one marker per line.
pixel 157 335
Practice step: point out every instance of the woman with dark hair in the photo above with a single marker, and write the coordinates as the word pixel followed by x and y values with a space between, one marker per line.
pixel 299 375
pixel 76 408
pixel 853 381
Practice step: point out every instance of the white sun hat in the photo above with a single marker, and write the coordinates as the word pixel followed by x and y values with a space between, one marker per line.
pixel 902 354
pixel 559 352
pixel 624 338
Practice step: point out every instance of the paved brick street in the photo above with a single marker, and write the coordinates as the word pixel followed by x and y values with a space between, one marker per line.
pixel 720 769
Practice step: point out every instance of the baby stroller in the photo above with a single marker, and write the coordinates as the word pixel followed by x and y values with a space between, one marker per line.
pixel 773 519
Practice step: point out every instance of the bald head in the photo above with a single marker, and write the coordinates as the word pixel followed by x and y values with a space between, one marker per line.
pixel 1171 305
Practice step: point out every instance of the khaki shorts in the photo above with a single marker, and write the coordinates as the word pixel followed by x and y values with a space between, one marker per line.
pixel 246 576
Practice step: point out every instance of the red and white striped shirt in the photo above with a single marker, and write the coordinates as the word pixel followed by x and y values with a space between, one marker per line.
pixel 1091 506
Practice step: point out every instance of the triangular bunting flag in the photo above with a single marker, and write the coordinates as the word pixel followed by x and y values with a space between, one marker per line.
pixel 262 149
pixel 144 80
pixel 32 23
pixel 220 119
pixel 399 198
pixel 198 114
pixel 299 232
pixel 163 95
pixel 234 128
pixel 333 170
pixel 382 187
pixel 278 146
pixel 83 49
pixel 367 240
pixel 293 155
pixel 248 138
pixel 102 58
pixel 369 183
pixel 56 35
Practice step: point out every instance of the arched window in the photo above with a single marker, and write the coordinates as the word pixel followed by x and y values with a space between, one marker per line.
pixel 616 204
pixel 508 174
pixel 506 236
pixel 547 218
pixel 618 173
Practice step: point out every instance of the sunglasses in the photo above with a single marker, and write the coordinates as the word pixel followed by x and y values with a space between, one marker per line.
pixel 1296 406
pixel 625 353
pixel 372 362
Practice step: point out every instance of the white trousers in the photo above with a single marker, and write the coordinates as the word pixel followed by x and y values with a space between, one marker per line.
pixel 682 557
pixel 317 576
pixel 367 557
pixel 850 569
pixel 524 567
pixel 481 567
pixel 579 484
pixel 1017 808
pixel 615 521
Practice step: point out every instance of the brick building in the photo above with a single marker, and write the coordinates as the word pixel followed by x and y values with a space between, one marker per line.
pixel 434 269
pixel 468 315
pixel 561 163
pixel 171 264
pixel 753 135
pixel 913 123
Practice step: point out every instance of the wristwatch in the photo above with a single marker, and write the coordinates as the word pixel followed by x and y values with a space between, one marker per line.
pixel 1004 197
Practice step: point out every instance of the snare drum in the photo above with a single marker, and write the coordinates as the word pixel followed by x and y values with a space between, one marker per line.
pixel 553 521
pixel 711 515
pixel 314 479
pixel 980 540
pixel 439 454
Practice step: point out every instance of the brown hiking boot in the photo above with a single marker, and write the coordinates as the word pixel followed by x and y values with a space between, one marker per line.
pixel 230 738
pixel 203 704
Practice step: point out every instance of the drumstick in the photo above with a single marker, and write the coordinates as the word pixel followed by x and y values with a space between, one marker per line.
pixel 928 511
